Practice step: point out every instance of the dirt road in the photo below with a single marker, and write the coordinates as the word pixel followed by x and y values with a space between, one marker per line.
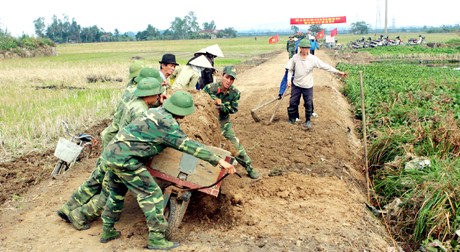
pixel 315 203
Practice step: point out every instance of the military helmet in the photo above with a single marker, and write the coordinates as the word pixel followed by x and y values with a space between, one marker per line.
pixel 304 43
pixel 147 87
pixel 135 68
pixel 180 103
pixel 148 72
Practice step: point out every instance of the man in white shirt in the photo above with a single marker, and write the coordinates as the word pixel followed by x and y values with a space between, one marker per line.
pixel 301 67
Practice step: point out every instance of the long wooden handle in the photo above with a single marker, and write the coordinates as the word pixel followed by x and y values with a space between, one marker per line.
pixel 264 104
pixel 277 106
pixel 253 111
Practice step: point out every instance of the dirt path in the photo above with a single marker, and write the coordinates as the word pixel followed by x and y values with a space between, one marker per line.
pixel 316 203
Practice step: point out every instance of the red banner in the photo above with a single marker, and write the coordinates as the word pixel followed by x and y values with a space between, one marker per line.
pixel 274 39
pixel 321 20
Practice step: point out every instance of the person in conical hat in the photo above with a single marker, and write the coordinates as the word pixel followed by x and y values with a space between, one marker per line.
pixel 187 76
pixel 207 75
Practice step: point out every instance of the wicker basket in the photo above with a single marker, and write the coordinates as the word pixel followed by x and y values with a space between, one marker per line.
pixel 67 150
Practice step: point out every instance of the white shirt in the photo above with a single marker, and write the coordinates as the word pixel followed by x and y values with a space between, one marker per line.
pixel 304 69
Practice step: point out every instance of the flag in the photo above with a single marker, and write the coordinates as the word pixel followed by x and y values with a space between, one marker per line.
pixel 274 39
pixel 334 32
pixel 283 83
pixel 320 34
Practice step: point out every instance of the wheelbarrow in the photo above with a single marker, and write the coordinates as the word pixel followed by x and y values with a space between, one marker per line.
pixel 179 175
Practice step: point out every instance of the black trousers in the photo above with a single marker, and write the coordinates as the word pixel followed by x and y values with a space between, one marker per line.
pixel 294 101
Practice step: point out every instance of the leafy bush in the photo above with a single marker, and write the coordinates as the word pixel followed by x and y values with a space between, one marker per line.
pixel 7 42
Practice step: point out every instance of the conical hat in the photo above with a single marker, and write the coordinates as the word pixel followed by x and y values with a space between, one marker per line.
pixel 201 61
pixel 214 50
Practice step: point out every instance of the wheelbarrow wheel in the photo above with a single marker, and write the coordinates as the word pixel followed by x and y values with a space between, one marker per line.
pixel 175 213
pixel 58 168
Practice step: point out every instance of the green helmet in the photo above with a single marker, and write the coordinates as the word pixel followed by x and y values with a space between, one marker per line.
pixel 148 72
pixel 148 86
pixel 135 68
pixel 304 43
pixel 180 103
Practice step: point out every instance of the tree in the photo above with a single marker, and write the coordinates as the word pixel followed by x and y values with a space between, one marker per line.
pixel 294 29
pixel 40 26
pixel 179 28
pixel 360 27
pixel 191 22
pixel 151 33
pixel 227 33
pixel 315 28
pixel 209 26
pixel 74 31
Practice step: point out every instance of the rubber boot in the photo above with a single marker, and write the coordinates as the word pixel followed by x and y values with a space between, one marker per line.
pixel 252 173
pixel 108 234
pixel 65 210
pixel 293 114
pixel 157 241
pixel 77 220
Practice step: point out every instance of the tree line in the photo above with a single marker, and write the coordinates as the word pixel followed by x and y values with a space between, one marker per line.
pixel 63 30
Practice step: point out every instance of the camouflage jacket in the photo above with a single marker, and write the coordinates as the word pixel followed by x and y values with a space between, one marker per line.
pixel 229 99
pixel 131 111
pixel 108 133
pixel 290 45
pixel 147 136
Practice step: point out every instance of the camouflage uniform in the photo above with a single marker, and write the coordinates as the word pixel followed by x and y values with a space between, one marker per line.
pixel 87 202
pixel 126 156
pixel 229 106
pixel 111 130
pixel 89 195
pixel 290 47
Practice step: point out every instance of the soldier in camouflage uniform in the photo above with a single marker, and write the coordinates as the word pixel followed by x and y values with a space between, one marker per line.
pixel 87 202
pixel 226 97
pixel 126 155
pixel 111 130
pixel 290 46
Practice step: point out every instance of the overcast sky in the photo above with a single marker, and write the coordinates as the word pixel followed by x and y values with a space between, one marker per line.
pixel 17 16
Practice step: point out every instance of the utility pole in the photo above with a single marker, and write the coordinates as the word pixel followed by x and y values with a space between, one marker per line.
pixel 378 20
pixel 386 17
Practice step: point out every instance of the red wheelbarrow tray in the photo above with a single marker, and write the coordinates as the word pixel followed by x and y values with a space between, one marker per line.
pixel 170 163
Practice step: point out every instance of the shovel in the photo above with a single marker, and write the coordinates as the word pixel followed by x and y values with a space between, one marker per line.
pixel 277 106
pixel 253 111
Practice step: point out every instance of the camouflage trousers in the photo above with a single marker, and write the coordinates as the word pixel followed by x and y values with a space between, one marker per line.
pixel 94 207
pixel 86 192
pixel 291 52
pixel 227 131
pixel 143 187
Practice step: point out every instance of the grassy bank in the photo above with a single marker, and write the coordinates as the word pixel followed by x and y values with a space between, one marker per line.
pixel 413 123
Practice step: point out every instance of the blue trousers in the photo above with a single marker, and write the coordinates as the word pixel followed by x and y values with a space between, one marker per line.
pixel 294 101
